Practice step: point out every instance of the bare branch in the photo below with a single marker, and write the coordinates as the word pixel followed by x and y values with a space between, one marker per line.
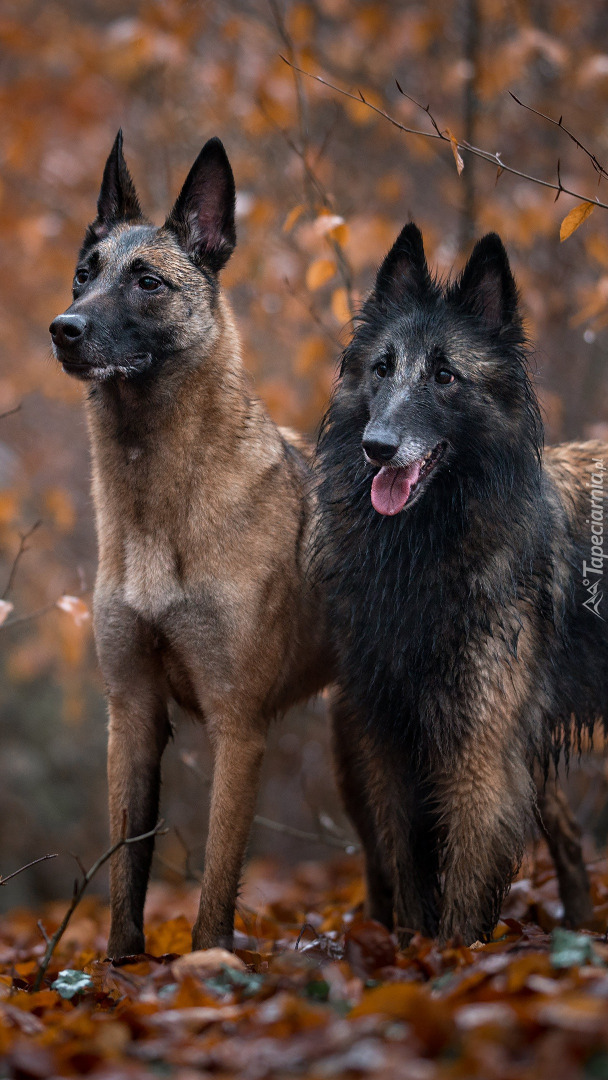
pixel 485 155
pixel 314 315
pixel 79 891
pixel 324 837
pixel 29 617
pixel 43 932
pixel 34 862
pixel 24 537
pixel 303 152
pixel 599 168
pixel 321 837
pixel 11 412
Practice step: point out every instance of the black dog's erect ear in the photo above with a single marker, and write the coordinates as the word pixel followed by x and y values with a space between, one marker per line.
pixel 404 271
pixel 203 215
pixel 486 287
pixel 117 200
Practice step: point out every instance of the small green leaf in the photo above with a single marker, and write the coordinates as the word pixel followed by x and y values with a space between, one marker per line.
pixel 70 982
pixel 317 989
pixel 569 949
pixel 231 979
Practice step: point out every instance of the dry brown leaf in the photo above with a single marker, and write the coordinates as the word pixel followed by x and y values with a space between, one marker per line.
pixel 574 219
pixel 205 962
pixel 455 151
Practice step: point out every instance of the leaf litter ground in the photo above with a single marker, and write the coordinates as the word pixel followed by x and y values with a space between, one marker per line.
pixel 315 990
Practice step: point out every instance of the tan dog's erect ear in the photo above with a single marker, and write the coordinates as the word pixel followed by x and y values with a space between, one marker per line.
pixel 117 202
pixel 203 215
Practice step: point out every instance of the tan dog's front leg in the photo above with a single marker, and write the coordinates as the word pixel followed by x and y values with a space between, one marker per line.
pixel 138 735
pixel 238 757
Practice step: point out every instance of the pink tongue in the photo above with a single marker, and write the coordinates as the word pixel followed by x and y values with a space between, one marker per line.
pixel 391 487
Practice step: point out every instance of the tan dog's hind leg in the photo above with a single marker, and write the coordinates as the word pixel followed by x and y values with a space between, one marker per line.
pixel 138 735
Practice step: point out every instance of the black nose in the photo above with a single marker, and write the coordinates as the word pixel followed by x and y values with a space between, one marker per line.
pixel 380 451
pixel 66 330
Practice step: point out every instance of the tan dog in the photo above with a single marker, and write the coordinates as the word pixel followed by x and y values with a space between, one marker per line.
pixel 203 515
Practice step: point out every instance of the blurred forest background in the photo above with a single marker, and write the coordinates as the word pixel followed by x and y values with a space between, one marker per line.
pixel 324 184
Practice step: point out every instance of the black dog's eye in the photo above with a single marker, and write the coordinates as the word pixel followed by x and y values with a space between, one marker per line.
pixel 444 376
pixel 149 283
pixel 381 369
pixel 81 277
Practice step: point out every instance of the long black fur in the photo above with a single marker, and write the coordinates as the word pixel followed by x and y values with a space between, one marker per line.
pixel 493 546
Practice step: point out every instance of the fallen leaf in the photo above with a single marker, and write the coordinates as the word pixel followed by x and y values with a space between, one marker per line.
pixel 205 962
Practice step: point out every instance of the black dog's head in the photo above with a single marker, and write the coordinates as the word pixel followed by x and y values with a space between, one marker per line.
pixel 435 378
pixel 145 297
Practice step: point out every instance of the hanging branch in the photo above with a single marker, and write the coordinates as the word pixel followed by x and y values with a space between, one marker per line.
pixel 24 537
pixel 313 183
pixel 477 151
pixel 79 891
pixel 10 412
pixel 599 168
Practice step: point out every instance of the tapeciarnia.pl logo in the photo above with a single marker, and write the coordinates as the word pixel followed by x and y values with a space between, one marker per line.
pixel 593 571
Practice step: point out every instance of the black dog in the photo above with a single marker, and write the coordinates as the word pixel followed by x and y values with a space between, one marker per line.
pixel 461 564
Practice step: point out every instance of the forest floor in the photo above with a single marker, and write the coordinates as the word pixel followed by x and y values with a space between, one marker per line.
pixel 314 991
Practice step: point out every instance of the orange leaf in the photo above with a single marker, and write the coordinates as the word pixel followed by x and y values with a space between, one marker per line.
pixel 294 215
pixel 74 607
pixel 172 936
pixel 319 272
pixel 577 215
pixel 455 151
pixel 399 1000
pixel 340 306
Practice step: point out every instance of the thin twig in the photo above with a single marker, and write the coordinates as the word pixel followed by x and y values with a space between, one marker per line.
pixel 305 926
pixel 24 537
pixel 314 315
pixel 79 890
pixel 300 834
pixel 29 617
pixel 324 837
pixel 303 152
pixel 186 873
pixel 11 412
pixel 477 151
pixel 34 862
pixel 43 932
pixel 597 165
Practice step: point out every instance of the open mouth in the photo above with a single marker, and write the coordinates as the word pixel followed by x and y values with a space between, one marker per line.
pixel 394 486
